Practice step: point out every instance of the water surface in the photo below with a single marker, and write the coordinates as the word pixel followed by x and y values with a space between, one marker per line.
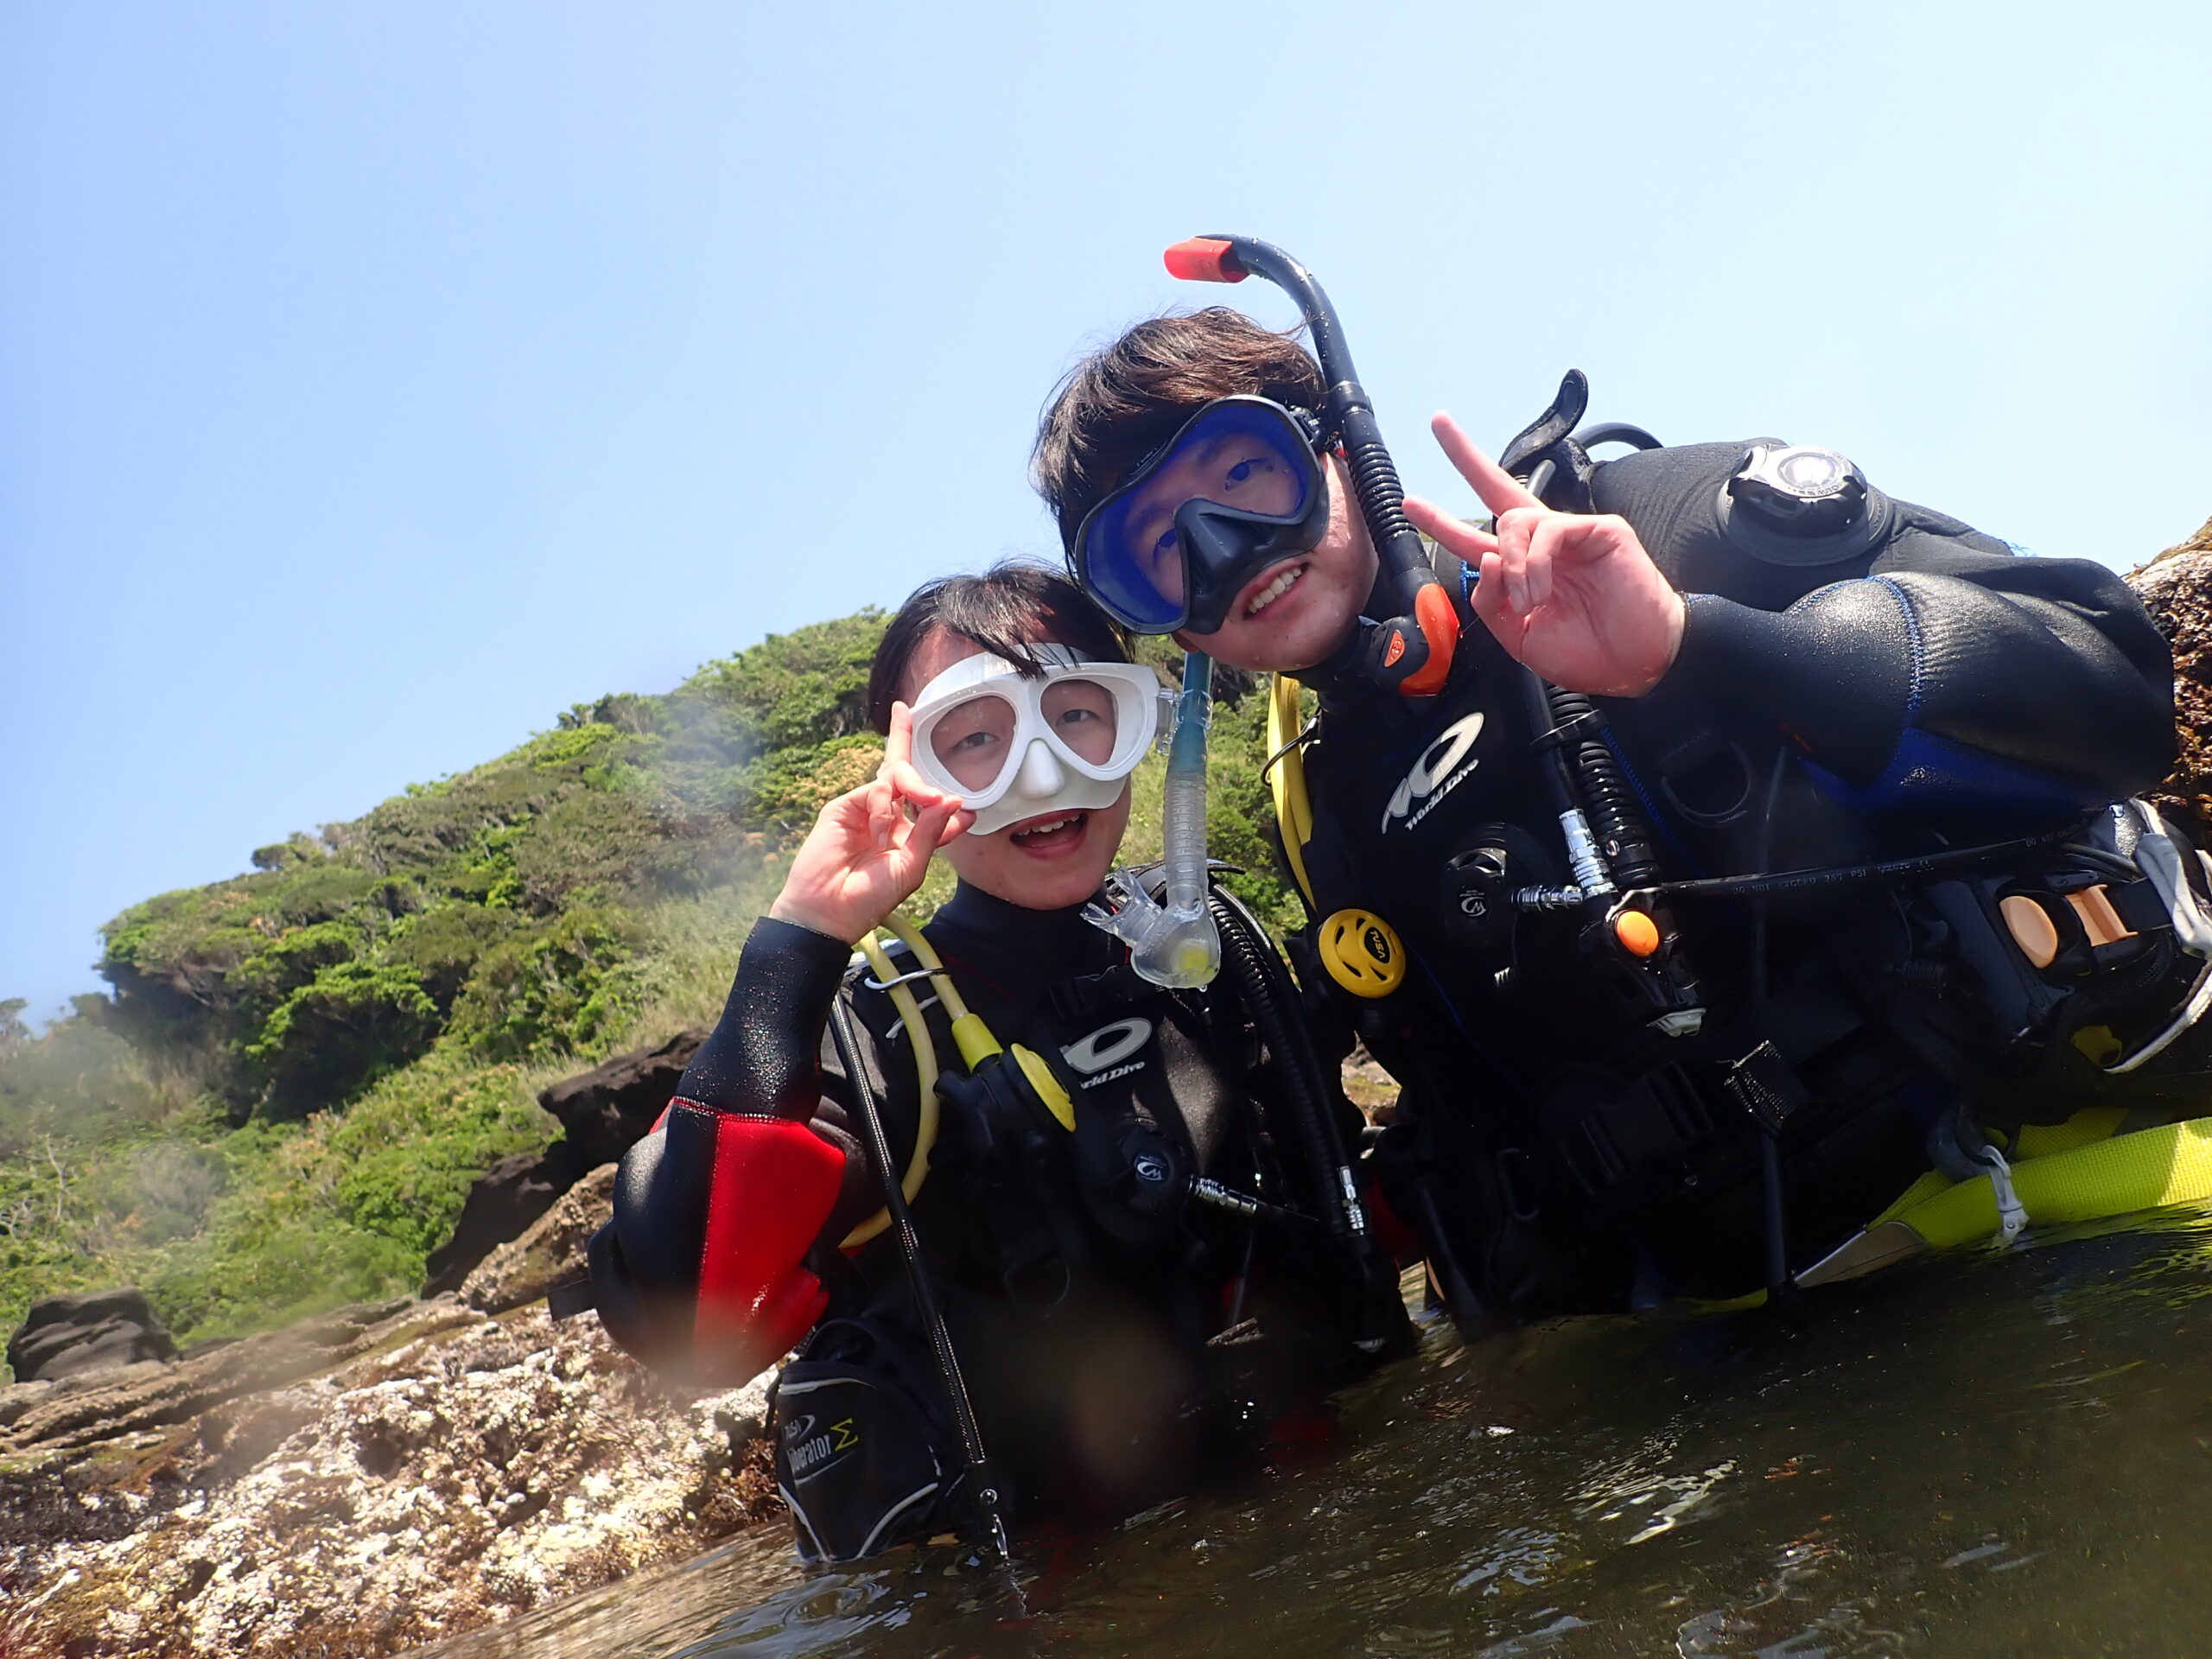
pixel 1991 1454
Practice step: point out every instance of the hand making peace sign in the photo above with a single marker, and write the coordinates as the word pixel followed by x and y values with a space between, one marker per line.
pixel 1576 598
pixel 866 855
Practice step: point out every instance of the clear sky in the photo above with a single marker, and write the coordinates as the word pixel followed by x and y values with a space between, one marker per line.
pixel 378 380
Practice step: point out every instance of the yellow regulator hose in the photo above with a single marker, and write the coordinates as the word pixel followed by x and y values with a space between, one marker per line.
pixel 918 1037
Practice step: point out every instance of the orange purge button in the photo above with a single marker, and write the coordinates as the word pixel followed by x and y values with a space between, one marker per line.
pixel 1637 932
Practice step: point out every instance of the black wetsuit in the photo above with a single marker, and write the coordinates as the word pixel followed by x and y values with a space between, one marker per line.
pixel 1117 1338
pixel 1935 690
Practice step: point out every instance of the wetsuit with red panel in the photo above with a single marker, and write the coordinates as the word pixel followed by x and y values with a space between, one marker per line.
pixel 1118 1337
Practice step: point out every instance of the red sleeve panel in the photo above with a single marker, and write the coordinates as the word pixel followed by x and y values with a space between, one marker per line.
pixel 774 1182
pixel 701 1269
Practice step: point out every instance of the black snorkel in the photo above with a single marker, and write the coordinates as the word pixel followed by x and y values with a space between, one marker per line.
pixel 1409 653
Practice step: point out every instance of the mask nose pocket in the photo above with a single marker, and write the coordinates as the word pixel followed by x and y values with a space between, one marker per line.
pixel 1041 777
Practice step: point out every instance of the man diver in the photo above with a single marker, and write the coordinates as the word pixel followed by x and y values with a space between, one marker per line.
pixel 1758 849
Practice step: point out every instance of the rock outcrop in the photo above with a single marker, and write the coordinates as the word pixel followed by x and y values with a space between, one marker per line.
pixel 94 1331
pixel 602 1112
pixel 607 1110
pixel 505 1202
pixel 2176 587
pixel 449 1471
pixel 552 1251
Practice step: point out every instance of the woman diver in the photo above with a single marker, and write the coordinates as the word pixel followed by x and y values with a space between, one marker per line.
pixel 1122 1233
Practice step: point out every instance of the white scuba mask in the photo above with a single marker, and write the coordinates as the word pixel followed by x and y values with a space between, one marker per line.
pixel 1015 747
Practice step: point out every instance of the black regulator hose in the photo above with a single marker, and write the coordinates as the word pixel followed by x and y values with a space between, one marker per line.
pixel 1889 872
pixel 1615 816
pixel 984 1477
pixel 1264 984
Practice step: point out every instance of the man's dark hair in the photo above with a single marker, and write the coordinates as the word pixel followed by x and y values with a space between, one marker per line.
pixel 1013 604
pixel 1118 405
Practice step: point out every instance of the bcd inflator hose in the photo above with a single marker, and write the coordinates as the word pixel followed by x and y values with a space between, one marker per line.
pixel 1615 816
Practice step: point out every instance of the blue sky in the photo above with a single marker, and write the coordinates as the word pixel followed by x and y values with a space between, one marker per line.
pixel 376 381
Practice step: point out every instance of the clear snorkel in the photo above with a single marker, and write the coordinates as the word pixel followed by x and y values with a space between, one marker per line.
pixel 1175 943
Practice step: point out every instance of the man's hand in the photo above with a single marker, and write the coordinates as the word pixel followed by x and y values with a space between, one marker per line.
pixel 1575 597
pixel 865 855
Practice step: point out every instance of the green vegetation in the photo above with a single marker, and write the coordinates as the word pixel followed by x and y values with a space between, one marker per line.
pixel 300 1070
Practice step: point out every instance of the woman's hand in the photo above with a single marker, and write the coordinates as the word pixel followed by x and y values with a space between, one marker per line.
pixel 866 855
pixel 1577 599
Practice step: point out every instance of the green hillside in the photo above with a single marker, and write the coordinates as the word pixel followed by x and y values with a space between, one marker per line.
pixel 298 1072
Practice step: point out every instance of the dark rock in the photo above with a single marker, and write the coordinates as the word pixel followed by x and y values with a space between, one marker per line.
pixel 2176 587
pixel 97 1331
pixel 552 1251
pixel 506 1199
pixel 603 1112
pixel 609 1109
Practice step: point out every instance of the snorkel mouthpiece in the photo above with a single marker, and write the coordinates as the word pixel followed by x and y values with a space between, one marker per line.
pixel 1176 944
pixel 1410 653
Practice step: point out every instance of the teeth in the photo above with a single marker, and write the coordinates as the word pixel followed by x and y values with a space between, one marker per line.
pixel 1042 829
pixel 1274 590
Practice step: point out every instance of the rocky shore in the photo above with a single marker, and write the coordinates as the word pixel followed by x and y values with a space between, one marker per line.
pixel 374 1480
pixel 379 1477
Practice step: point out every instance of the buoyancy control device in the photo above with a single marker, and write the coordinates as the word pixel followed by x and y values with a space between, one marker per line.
pixel 1052 1170
pixel 1990 984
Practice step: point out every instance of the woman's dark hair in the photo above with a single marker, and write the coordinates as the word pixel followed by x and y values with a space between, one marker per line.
pixel 1005 610
pixel 1119 405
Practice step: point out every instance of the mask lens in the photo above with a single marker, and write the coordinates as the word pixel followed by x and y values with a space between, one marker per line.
pixel 1246 456
pixel 1083 714
pixel 973 741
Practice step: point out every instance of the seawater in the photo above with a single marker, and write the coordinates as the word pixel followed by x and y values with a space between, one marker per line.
pixel 1989 1453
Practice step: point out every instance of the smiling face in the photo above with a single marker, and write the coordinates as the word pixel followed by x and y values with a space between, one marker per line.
pixel 1050 860
pixel 1291 615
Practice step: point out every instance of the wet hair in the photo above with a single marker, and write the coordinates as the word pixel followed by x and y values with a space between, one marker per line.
pixel 1118 405
pixel 1005 610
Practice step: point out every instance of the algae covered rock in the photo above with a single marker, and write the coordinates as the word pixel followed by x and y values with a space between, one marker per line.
pixel 2176 587
pixel 411 1493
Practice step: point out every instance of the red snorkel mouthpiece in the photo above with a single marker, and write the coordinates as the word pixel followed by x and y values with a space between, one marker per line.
pixel 1410 653
pixel 1205 259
